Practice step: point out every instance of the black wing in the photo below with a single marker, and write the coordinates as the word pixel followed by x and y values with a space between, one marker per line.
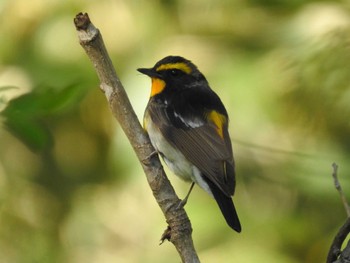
pixel 197 137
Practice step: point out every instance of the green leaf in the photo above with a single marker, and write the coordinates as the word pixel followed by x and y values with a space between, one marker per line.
pixel 28 115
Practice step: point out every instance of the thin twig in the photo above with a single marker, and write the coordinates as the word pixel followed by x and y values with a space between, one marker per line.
pixel 177 219
pixel 339 189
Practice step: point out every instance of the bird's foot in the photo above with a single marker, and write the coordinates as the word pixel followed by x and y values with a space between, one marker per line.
pixel 147 160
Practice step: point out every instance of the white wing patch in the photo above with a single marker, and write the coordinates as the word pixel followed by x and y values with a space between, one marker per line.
pixel 191 123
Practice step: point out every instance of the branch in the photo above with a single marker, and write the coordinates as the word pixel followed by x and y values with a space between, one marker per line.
pixel 335 250
pixel 179 227
pixel 335 255
pixel 340 190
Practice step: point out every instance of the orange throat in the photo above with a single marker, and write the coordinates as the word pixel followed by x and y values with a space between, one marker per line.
pixel 158 86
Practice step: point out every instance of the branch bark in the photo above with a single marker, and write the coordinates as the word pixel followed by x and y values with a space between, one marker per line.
pixel 179 230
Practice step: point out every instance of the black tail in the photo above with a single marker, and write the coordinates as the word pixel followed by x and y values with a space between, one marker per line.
pixel 226 206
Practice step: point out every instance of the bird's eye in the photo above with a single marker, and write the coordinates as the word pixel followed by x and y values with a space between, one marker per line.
pixel 174 72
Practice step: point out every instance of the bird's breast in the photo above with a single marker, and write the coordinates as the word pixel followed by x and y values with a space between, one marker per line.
pixel 173 158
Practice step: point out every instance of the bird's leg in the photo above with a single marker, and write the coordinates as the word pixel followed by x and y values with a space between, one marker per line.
pixel 184 201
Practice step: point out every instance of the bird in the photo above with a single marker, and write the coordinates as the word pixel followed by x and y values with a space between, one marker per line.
pixel 187 124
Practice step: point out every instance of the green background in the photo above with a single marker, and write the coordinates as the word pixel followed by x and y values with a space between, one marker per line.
pixel 71 188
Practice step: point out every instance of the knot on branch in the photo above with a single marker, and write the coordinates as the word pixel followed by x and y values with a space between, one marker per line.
pixel 179 226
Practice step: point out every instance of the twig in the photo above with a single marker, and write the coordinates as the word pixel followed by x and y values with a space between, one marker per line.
pixel 177 219
pixel 338 187
pixel 335 249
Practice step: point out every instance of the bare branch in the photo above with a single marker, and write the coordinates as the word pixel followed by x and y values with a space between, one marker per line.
pixel 335 255
pixel 180 229
pixel 335 249
pixel 338 187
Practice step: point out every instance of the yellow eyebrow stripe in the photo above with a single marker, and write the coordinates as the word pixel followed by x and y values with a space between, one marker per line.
pixel 219 120
pixel 179 65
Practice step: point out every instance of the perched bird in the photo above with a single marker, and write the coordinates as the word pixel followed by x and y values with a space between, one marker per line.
pixel 188 126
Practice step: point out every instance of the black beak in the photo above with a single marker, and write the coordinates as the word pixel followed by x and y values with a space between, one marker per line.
pixel 149 72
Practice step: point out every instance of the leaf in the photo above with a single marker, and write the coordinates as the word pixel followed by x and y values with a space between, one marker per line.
pixel 28 115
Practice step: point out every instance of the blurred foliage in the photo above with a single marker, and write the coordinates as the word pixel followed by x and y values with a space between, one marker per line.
pixel 26 114
pixel 320 92
pixel 71 189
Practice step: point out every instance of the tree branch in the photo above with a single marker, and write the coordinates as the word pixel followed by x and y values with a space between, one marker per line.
pixel 335 255
pixel 337 243
pixel 179 230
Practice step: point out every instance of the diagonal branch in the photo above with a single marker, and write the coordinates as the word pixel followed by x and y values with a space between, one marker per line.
pixel 179 230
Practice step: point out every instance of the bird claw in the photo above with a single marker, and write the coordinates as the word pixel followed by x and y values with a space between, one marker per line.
pixel 146 160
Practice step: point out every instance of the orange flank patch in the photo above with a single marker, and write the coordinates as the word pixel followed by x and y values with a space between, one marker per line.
pixel 219 120
pixel 158 86
pixel 180 66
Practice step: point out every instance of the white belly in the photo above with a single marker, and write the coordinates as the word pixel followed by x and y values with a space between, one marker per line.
pixel 175 160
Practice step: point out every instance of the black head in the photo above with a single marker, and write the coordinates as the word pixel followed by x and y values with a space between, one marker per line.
pixel 177 72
